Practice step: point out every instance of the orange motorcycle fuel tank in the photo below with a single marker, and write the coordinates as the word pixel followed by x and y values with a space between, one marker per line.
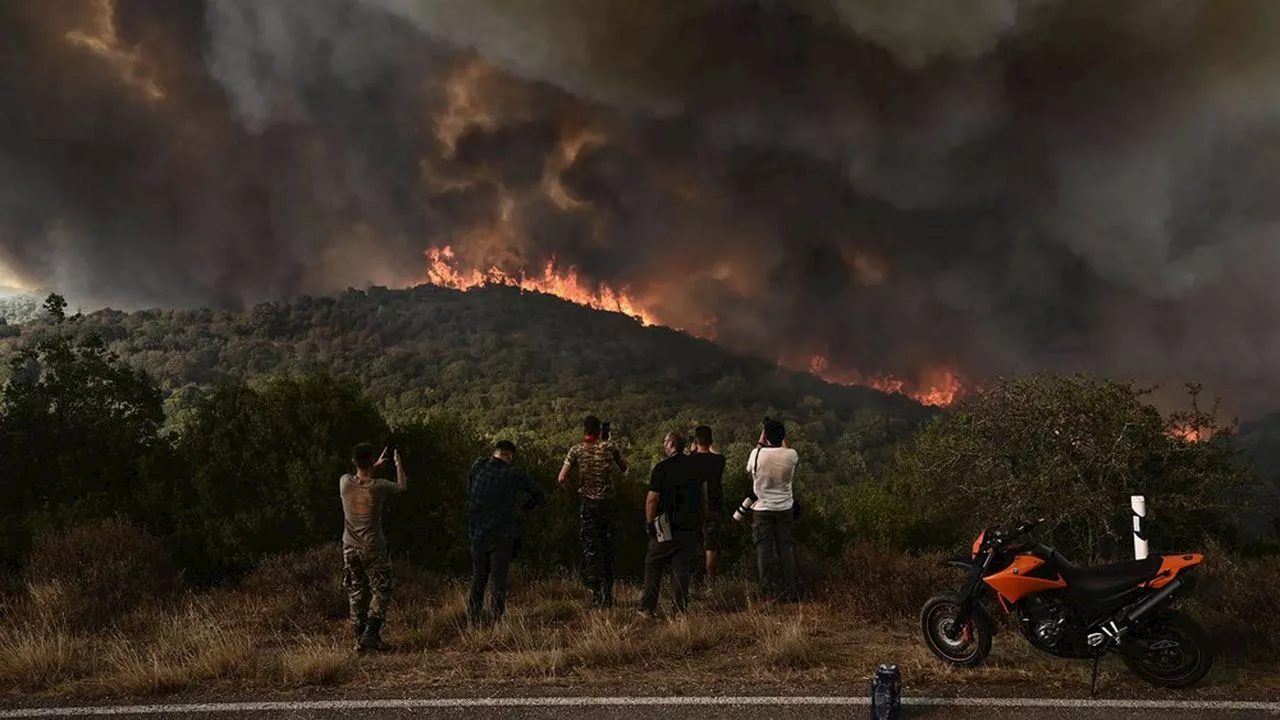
pixel 1019 579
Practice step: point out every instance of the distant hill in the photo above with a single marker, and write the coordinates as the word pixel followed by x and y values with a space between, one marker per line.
pixel 526 364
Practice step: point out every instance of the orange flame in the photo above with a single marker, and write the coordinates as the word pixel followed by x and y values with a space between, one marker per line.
pixel 441 271
pixel 1190 434
pixel 938 387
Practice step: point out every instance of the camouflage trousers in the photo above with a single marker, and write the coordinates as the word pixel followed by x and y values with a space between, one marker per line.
pixel 366 574
pixel 596 534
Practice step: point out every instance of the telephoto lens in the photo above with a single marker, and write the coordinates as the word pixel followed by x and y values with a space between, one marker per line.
pixel 741 513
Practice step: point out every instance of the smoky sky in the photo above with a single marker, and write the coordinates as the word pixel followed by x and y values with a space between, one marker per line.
pixel 994 185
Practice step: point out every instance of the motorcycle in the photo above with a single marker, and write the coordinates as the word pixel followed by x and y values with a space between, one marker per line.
pixel 1072 611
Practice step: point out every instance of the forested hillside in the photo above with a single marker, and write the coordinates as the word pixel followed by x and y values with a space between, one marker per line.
pixel 223 433
pixel 523 364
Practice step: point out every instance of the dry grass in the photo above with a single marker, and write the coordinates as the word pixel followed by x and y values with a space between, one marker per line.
pixel 790 643
pixel 259 640
pixel 315 664
pixel 37 654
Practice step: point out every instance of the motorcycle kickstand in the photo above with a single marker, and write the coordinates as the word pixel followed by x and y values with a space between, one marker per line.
pixel 1093 682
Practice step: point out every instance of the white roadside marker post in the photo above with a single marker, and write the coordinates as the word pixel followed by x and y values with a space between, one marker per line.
pixel 1139 504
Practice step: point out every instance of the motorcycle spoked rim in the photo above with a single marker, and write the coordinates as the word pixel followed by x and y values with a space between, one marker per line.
pixel 940 620
pixel 1189 652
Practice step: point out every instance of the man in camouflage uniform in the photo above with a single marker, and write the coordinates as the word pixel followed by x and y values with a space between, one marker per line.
pixel 596 458
pixel 366 563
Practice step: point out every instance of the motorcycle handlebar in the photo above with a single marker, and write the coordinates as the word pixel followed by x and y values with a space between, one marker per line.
pixel 1024 528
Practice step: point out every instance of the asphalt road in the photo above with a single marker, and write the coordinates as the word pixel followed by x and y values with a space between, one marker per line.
pixel 671 709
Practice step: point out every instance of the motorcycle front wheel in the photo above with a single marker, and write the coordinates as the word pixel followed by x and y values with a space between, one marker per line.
pixel 1170 650
pixel 973 644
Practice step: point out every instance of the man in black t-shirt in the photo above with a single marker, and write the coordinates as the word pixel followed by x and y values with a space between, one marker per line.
pixel 709 466
pixel 676 491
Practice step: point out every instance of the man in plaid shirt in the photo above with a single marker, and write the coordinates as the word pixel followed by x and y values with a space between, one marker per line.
pixel 494 526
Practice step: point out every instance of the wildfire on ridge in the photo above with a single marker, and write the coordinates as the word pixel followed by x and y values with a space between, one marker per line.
pixel 939 387
pixel 566 285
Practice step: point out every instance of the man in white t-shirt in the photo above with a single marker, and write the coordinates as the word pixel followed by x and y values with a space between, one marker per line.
pixel 773 467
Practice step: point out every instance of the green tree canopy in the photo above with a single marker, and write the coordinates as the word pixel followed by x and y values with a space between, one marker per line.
pixel 78 429
pixel 1074 449
pixel 262 468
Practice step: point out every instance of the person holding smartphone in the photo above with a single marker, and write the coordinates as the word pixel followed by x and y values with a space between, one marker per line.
pixel 365 562
pixel 773 467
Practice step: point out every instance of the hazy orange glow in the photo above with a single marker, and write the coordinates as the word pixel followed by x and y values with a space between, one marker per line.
pixel 466 107
pixel 1190 434
pixel 468 104
pixel 564 284
pixel 101 38
pixel 572 142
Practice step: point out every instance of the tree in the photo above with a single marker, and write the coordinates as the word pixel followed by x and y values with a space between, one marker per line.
pixel 56 306
pixel 1073 449
pixel 78 430
pixel 262 468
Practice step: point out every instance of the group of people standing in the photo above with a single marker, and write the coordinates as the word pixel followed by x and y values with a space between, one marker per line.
pixel 683 508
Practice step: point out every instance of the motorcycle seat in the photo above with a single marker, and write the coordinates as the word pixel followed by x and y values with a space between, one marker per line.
pixel 1110 579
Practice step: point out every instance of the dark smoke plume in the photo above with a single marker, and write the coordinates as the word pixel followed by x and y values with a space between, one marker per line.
pixel 995 185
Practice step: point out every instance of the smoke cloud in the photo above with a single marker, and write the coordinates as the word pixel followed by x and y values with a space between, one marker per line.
pixel 897 185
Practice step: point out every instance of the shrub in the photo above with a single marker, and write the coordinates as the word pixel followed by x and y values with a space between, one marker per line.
pixel 886 584
pixel 1238 600
pixel 308 582
pixel 96 573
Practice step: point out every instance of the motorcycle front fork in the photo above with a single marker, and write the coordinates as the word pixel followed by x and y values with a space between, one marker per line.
pixel 968 596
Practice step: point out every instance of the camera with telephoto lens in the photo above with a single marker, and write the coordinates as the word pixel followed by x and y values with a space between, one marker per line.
pixel 605 431
pixel 741 513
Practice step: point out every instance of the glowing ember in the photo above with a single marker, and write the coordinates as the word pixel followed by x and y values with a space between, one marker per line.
pixel 1190 434
pixel 441 271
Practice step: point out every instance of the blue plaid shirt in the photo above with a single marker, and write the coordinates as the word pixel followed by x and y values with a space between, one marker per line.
pixel 491 499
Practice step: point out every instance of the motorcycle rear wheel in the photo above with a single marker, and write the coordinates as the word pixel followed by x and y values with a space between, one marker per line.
pixel 974 644
pixel 1170 650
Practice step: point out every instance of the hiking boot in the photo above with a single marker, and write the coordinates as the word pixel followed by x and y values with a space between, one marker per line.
pixel 358 627
pixel 371 639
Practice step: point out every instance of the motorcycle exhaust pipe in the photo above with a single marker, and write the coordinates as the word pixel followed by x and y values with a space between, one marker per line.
pixel 1113 629
pixel 1146 606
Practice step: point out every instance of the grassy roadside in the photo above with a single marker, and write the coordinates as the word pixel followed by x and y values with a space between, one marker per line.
pixel 284 631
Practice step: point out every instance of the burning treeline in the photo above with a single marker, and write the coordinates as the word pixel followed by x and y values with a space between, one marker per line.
pixel 871 190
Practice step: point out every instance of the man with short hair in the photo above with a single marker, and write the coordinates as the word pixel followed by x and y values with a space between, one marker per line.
pixel 709 466
pixel 494 526
pixel 773 466
pixel 678 496
pixel 596 459
pixel 366 563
